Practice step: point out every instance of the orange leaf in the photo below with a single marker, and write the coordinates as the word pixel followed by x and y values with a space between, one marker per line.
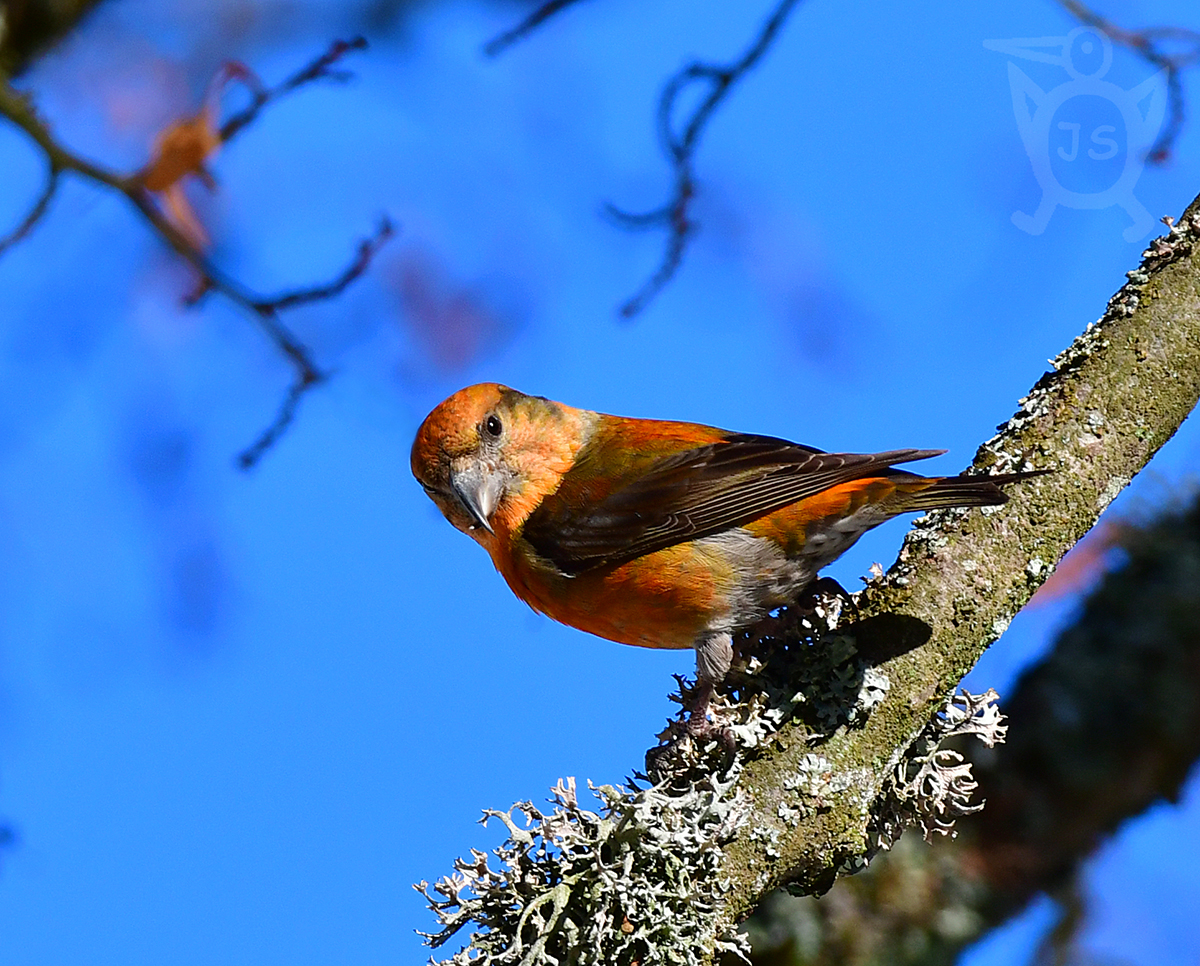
pixel 182 149
pixel 185 146
pixel 184 217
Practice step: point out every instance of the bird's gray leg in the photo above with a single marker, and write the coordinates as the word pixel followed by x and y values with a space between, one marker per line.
pixel 714 654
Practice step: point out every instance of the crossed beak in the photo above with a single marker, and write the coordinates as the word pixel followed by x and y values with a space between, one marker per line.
pixel 479 488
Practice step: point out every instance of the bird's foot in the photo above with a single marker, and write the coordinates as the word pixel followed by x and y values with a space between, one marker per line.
pixel 702 729
pixel 823 589
pixel 688 741
pixel 699 725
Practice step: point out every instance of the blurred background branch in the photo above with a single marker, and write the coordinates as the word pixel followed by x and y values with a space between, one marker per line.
pixel 30 27
pixel 680 146
pixel 679 141
pixel 535 19
pixel 1170 49
pixel 182 150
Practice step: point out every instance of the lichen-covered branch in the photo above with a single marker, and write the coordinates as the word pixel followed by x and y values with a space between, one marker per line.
pixel 1107 725
pixel 574 885
pixel 1114 397
pixel 834 722
pixel 651 860
pixel 182 150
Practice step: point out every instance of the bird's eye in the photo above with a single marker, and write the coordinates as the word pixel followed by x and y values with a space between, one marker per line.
pixel 492 426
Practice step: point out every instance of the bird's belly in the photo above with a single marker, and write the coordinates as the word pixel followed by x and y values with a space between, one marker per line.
pixel 676 596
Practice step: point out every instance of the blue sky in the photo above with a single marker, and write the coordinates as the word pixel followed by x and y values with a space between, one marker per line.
pixel 241 713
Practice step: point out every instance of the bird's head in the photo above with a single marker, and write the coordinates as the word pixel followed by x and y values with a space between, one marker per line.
pixel 488 454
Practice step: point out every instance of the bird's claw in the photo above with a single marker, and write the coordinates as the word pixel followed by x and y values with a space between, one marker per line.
pixel 687 751
pixel 825 587
pixel 700 729
pixel 689 739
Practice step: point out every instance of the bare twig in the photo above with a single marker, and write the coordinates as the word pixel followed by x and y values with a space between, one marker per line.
pixel 249 457
pixel 1148 44
pixel 35 213
pixel 367 249
pixel 317 70
pixel 681 148
pixel 307 377
pixel 17 108
pixel 526 26
pixel 211 279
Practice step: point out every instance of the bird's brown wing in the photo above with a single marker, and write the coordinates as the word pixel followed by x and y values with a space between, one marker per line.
pixel 689 495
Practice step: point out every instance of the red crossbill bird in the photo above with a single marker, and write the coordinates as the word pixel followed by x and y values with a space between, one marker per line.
pixel 656 533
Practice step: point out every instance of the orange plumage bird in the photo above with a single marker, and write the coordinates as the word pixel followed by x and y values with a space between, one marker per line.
pixel 655 533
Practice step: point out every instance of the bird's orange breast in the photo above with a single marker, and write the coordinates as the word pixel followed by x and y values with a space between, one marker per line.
pixel 664 599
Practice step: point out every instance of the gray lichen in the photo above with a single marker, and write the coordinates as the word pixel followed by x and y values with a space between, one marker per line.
pixel 640 880
pixel 1176 244
pixel 932 785
pixel 636 882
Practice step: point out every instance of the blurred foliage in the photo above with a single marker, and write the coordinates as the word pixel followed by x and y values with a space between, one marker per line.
pixel 29 27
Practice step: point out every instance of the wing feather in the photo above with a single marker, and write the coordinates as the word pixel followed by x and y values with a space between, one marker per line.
pixel 689 495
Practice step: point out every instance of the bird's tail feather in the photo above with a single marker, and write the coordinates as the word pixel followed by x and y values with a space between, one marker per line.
pixel 952 491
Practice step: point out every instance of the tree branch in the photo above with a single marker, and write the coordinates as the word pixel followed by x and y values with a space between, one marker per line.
pixel 1116 395
pixel 32 27
pixel 17 108
pixel 815 789
pixel 319 69
pixel 368 248
pixel 35 213
pixel 527 26
pixel 1107 725
pixel 1149 45
pixel 681 149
